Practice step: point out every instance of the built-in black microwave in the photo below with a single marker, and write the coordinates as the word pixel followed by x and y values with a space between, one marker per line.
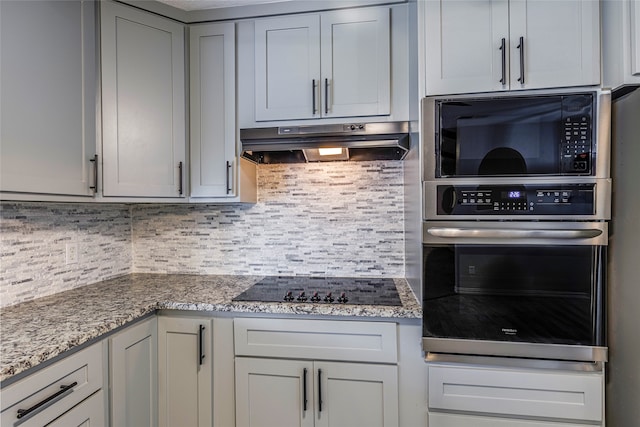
pixel 534 134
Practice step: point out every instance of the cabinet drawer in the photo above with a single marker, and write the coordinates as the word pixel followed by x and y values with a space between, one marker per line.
pixel 537 393
pixel 316 339
pixel 90 413
pixel 84 368
pixel 454 420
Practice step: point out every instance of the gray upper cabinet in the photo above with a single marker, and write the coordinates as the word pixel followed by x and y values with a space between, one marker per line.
pixel 620 42
pixel 493 45
pixel 143 104
pixel 333 64
pixel 48 87
pixel 213 110
pixel 287 67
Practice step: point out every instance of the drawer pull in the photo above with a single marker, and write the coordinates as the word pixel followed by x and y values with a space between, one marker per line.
pixel 63 389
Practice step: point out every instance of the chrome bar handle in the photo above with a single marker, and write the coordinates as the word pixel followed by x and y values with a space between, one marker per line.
pixel 512 233
pixel 63 389
pixel 521 48
pixel 503 48
pixel 326 96
pixel 180 189
pixel 95 174
pixel 313 96
pixel 228 179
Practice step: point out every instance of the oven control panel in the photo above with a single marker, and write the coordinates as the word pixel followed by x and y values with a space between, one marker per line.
pixel 521 199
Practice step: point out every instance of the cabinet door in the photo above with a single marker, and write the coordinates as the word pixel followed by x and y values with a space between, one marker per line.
pixel 213 110
pixel 561 42
pixel 134 366
pixel 287 67
pixel 184 372
pixel 356 65
pixel 271 392
pixel 143 103
pixel 353 394
pixel 47 125
pixel 464 46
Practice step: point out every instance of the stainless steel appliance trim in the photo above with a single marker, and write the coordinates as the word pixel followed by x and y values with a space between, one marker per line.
pixel 510 362
pixel 515 349
pixel 344 129
pixel 515 233
pixel 373 136
pixel 512 234
pixel 602 122
pixel 602 198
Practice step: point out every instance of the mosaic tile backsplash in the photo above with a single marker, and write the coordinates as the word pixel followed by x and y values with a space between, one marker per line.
pixel 33 239
pixel 328 219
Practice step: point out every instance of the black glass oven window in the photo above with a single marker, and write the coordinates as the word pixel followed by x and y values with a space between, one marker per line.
pixel 536 294
pixel 510 136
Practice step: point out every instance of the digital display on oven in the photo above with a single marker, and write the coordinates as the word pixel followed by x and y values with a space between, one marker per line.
pixel 513 194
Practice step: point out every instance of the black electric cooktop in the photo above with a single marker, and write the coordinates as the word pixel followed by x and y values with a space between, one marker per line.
pixel 323 290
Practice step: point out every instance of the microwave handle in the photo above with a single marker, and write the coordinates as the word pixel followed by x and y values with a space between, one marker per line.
pixel 512 233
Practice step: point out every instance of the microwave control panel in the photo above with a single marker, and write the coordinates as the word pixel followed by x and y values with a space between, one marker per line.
pixel 527 199
pixel 576 146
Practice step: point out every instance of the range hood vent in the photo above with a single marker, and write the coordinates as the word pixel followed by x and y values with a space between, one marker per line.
pixel 314 143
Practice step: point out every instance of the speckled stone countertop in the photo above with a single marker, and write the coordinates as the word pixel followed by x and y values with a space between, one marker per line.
pixel 36 331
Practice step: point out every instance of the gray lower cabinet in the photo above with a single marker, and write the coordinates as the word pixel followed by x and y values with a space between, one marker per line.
pixel 185 381
pixel 461 395
pixel 280 392
pixel 133 375
pixel 315 373
pixel 48 86
pixel 89 413
pixel 66 393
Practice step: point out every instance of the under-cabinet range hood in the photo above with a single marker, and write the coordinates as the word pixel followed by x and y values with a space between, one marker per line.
pixel 330 142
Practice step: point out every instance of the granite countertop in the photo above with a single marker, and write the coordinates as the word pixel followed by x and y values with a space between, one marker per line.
pixel 36 331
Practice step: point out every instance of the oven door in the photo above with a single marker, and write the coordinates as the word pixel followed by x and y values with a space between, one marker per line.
pixel 523 289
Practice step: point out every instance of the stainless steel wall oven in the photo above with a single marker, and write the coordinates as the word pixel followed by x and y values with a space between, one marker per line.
pixel 516 198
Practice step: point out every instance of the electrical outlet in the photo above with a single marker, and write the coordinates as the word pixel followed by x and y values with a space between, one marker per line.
pixel 72 252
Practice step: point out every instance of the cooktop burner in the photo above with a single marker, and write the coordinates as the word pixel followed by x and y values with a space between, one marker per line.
pixel 323 290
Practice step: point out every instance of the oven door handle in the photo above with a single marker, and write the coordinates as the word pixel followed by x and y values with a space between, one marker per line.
pixel 481 233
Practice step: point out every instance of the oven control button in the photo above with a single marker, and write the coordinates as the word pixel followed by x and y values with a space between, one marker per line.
pixel 329 298
pixel 343 298
pixel 302 297
pixel 315 297
pixel 288 297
